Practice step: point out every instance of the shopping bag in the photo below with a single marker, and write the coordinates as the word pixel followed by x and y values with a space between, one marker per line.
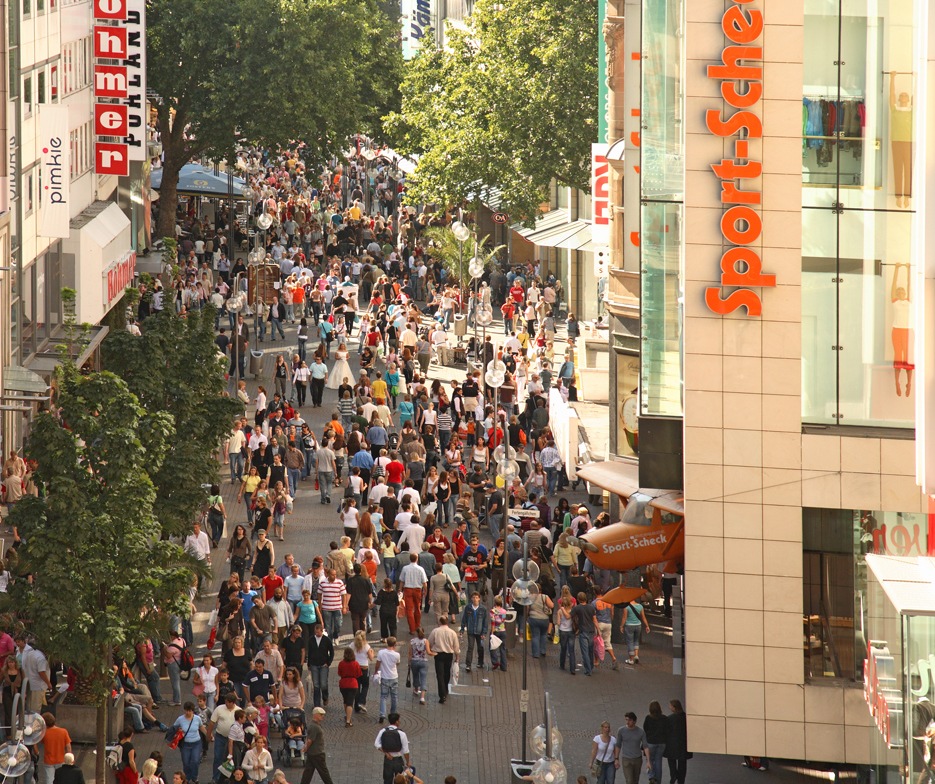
pixel 495 642
pixel 226 769
pixel 454 676
pixel 212 637
pixel 213 618
pixel 599 647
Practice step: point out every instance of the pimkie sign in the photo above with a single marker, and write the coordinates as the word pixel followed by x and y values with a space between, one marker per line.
pixel 741 87
pixel 119 35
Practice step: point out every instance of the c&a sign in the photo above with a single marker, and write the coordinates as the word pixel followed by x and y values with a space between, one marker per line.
pixel 740 74
pixel 119 85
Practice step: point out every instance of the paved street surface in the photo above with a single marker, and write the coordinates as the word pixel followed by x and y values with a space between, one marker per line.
pixel 472 736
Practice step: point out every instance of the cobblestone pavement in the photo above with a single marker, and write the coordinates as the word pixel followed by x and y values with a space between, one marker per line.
pixel 473 736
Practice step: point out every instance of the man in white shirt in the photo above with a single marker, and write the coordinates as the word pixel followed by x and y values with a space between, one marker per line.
pixel 256 438
pixel 412 582
pixel 235 444
pixel 411 495
pixel 198 544
pixel 378 491
pixel 413 537
pixel 388 662
pixel 393 744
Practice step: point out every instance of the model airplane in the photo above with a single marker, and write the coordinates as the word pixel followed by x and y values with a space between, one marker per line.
pixel 652 531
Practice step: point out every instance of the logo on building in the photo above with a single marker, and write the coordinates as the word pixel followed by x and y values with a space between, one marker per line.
pixel 117 277
pixel 740 74
pixel 119 36
pixel 54 173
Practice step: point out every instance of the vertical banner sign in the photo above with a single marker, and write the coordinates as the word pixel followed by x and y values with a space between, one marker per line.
pixel 119 34
pixel 600 196
pixel 418 19
pixel 741 88
pixel 55 171
pixel 632 86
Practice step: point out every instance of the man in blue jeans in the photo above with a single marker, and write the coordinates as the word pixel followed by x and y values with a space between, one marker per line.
pixel 584 617
pixel 275 317
pixel 319 658
pixel 551 462
pixel 221 720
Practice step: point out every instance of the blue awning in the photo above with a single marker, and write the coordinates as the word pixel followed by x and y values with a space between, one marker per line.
pixel 196 180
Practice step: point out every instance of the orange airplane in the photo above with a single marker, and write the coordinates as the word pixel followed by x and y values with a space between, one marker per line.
pixel 652 531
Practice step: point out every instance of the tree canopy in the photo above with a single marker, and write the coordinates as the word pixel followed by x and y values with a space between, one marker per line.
pixel 267 72
pixel 103 577
pixel 174 367
pixel 510 104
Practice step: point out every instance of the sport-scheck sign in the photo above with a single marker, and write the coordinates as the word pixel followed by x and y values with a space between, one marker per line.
pixel 119 85
pixel 740 74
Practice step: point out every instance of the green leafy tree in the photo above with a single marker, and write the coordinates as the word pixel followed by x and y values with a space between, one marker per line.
pixel 266 72
pixel 455 256
pixel 103 577
pixel 174 366
pixel 511 104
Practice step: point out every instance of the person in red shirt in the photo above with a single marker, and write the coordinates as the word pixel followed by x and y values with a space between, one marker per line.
pixel 394 473
pixel 438 545
pixel 517 294
pixel 459 539
pixel 56 744
pixel 271 582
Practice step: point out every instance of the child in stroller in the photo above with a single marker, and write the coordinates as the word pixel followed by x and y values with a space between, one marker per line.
pixel 293 735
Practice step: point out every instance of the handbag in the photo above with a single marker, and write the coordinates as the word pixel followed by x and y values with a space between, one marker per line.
pixel 596 768
pixel 409 677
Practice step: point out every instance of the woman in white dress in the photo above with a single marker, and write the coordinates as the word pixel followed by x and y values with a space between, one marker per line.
pixel 341 369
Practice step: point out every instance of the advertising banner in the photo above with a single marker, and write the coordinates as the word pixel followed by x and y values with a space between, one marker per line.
pixel 54 171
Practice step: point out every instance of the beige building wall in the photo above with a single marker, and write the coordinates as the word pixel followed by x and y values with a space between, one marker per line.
pixel 748 467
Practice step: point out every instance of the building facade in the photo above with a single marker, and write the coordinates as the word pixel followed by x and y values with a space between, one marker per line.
pixel 775 181
pixel 68 133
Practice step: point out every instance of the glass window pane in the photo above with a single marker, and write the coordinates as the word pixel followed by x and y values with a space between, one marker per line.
pixel 662 165
pixel 661 286
pixel 819 316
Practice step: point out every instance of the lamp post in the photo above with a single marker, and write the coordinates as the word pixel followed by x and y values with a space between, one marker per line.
pixel 462 233
pixel 525 589
pixel 476 271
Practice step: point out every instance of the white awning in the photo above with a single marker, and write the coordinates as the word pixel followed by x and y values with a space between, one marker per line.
pixel 547 220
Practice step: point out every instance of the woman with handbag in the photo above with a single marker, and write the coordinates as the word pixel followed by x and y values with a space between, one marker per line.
pixel 186 736
pixel 602 755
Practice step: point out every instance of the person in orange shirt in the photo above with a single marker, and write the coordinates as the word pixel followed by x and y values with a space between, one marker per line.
pixel 56 744
pixel 298 302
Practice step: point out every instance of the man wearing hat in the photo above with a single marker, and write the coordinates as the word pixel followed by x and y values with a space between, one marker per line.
pixel 219 727
pixel 315 750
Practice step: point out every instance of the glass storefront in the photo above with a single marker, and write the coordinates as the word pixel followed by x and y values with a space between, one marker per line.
pixel 662 182
pixel 858 212
pixel 835 545
pixel 899 678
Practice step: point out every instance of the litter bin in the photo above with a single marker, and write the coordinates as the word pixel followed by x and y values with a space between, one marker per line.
pixel 460 326
pixel 256 363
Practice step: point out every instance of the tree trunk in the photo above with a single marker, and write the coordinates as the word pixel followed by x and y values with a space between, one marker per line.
pixel 168 194
pixel 99 769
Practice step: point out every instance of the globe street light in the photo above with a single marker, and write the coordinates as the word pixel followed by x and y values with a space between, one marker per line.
pixel 462 233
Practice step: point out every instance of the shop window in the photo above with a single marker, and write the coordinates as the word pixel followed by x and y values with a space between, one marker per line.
pixel 835 543
pixel 27 96
pixel 628 378
pixel 858 218
pixel 27 7
pixel 40 86
pixel 661 319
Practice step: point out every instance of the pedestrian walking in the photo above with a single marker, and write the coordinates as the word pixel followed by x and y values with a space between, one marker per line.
pixel 677 752
pixel 388 667
pixel 393 744
pixel 631 751
pixel 656 727
pixel 602 755
pixel 315 758
pixel 445 648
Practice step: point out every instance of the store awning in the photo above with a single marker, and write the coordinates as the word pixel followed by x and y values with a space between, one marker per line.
pixel 547 220
pixel 616 151
pixel 558 236
pixel 43 363
pixel 909 582
pixel 579 239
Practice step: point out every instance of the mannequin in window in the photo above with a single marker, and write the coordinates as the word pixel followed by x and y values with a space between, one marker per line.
pixel 901 299
pixel 901 143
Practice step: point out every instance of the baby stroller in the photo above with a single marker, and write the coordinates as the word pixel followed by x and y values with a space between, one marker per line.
pixel 292 751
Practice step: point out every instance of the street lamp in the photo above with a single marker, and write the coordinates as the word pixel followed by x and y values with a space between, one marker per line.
pixel 523 593
pixel 462 234
pixel 547 741
pixel 476 271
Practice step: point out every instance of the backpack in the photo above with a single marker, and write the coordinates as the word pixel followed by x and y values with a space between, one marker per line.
pixel 391 741
pixel 186 660
pixel 115 758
